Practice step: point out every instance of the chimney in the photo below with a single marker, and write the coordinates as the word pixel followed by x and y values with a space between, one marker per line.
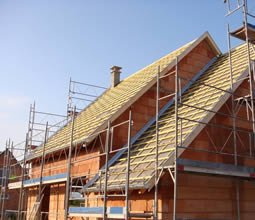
pixel 115 76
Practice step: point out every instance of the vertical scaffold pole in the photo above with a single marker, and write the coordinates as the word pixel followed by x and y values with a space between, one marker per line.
pixel 41 169
pixel 5 178
pixel 176 138
pixel 249 66
pixel 69 98
pixel 156 149
pixel 7 172
pixel 232 98
pixel 23 172
pixel 128 164
pixel 2 180
pixel 31 124
pixel 67 196
pixel 108 133
pixel 233 120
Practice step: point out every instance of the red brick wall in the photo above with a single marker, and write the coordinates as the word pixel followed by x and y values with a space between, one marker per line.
pixel 220 139
pixel 199 197
pixel 57 201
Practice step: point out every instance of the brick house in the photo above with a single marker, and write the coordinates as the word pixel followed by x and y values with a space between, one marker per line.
pixel 215 179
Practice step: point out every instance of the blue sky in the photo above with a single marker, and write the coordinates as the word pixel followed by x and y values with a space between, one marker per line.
pixel 44 43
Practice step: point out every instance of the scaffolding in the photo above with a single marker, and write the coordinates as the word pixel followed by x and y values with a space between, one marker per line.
pixel 81 94
pixel 41 126
pixel 4 177
pixel 207 168
pixel 106 151
pixel 16 170
pixel 40 132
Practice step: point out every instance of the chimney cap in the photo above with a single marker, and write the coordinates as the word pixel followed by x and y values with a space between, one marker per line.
pixel 116 68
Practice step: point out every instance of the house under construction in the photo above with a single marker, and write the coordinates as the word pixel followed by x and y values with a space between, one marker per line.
pixel 175 140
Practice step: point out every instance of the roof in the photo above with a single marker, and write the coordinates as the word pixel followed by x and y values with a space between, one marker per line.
pixel 142 160
pixel 115 101
pixel 10 155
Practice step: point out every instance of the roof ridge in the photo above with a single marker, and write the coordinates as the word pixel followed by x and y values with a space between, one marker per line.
pixel 174 51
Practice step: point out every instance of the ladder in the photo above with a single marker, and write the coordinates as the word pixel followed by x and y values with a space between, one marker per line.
pixel 35 209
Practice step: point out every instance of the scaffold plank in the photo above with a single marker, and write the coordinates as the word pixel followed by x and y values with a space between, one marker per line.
pixel 97 212
pixel 36 181
pixel 215 168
